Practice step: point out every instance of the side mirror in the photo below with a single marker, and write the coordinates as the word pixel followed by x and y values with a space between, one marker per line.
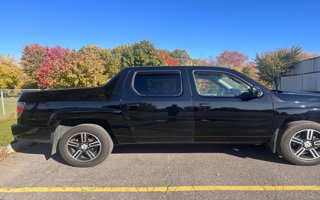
pixel 256 92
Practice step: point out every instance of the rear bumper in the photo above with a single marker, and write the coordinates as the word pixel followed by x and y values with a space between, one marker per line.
pixel 32 133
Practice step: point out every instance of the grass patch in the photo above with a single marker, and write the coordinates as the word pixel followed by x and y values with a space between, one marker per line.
pixel 6 121
pixel 5 135
pixel 5 130
pixel 10 106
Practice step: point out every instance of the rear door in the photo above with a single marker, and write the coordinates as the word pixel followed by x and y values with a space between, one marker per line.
pixel 157 105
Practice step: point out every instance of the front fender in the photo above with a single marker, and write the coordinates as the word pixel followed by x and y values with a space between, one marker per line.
pixel 286 112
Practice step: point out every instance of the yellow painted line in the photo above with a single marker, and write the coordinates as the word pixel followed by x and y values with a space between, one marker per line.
pixel 162 189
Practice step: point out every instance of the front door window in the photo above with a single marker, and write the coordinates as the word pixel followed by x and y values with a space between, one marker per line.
pixel 219 84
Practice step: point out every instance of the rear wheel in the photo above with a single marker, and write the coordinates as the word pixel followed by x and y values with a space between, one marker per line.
pixel 85 145
pixel 300 144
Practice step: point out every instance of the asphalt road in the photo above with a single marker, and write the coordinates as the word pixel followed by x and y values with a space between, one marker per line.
pixel 158 166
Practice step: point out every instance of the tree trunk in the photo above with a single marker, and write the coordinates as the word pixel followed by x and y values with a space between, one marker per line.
pixel 276 82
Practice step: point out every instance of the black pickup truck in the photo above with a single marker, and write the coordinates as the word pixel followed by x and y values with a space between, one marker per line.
pixel 170 105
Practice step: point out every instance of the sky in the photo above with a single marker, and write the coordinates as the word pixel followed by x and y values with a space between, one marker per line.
pixel 202 27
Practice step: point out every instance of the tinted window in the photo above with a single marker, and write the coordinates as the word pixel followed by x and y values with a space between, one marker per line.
pixel 219 84
pixel 158 83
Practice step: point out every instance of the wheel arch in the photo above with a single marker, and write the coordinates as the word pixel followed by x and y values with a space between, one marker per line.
pixel 276 138
pixel 65 125
pixel 306 143
pixel 96 121
pixel 63 120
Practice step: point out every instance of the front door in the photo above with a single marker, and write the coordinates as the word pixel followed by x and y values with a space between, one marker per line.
pixel 158 106
pixel 221 115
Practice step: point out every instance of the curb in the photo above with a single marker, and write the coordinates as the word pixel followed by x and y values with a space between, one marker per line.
pixel 16 146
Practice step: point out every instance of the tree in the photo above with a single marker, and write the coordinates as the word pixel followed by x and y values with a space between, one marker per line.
pixel 306 55
pixel 203 62
pixel 11 74
pixel 272 64
pixel 63 68
pixel 32 58
pixel 91 66
pixel 168 60
pixel 142 53
pixel 182 56
pixel 52 65
pixel 145 54
pixel 124 55
pixel 111 64
pixel 231 59
pixel 199 62
pixel 249 70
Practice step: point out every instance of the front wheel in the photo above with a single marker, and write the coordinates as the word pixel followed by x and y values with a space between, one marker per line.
pixel 85 145
pixel 300 144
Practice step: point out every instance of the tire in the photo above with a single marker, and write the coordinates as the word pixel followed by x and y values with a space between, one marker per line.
pixel 300 143
pixel 283 129
pixel 85 145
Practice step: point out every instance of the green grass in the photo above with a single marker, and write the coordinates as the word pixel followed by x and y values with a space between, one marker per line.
pixel 7 120
pixel 10 106
pixel 5 131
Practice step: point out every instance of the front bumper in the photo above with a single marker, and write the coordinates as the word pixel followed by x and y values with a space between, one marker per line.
pixel 32 133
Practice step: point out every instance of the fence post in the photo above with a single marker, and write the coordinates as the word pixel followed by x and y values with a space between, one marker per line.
pixel 2 102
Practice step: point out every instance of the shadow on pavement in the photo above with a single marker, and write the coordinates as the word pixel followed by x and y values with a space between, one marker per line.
pixel 44 149
pixel 258 152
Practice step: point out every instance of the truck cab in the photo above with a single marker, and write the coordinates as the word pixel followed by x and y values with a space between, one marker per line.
pixel 195 105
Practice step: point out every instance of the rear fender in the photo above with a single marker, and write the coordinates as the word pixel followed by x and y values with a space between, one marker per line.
pixel 80 113
pixel 73 114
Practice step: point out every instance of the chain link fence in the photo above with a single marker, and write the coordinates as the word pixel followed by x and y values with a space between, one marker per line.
pixel 8 101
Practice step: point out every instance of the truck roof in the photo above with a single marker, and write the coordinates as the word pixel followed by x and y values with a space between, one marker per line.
pixel 181 67
pixel 221 69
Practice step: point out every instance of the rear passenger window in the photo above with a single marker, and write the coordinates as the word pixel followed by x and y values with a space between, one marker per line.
pixel 158 83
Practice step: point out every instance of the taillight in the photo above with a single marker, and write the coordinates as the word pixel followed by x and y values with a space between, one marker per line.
pixel 20 107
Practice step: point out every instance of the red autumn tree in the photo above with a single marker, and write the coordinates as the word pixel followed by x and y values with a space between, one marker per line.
pixel 64 68
pixel 169 61
pixel 53 60
pixel 232 59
